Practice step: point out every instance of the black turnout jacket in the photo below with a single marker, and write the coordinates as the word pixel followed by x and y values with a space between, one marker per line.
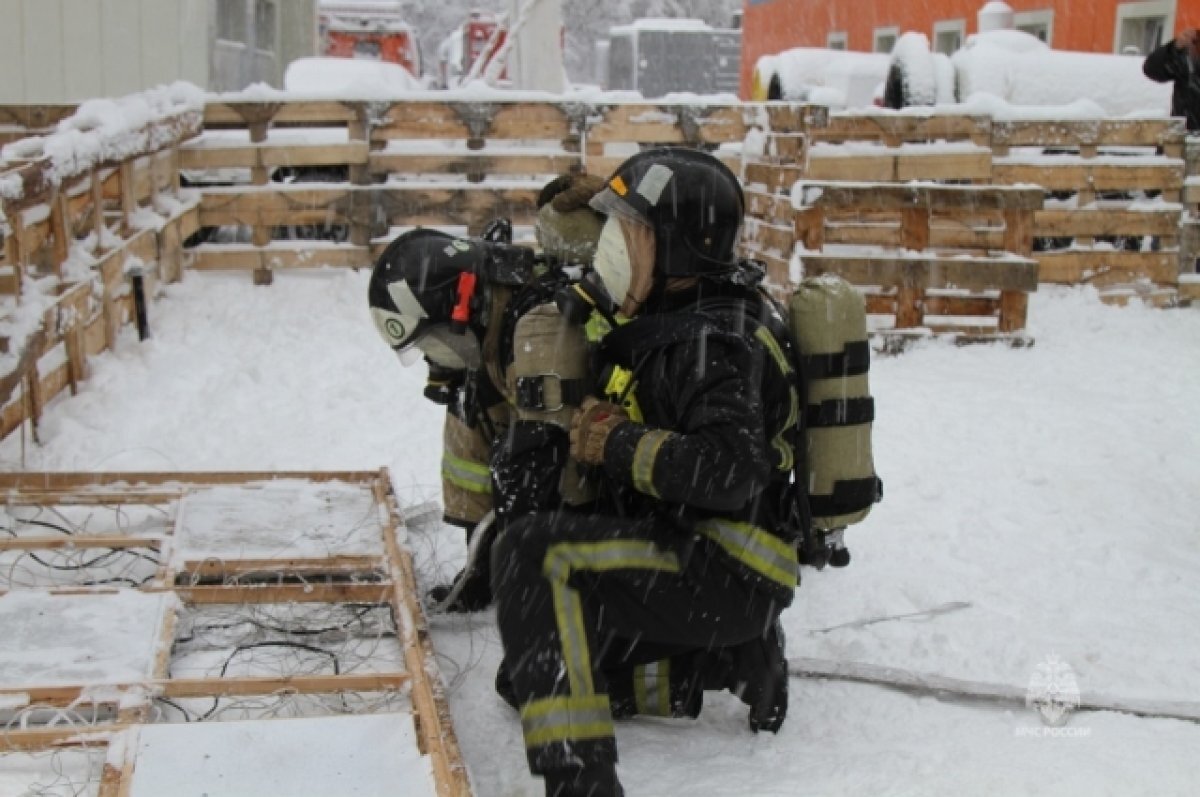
pixel 1169 64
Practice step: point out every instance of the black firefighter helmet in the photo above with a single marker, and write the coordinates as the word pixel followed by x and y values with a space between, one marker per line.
pixel 692 202
pixel 428 294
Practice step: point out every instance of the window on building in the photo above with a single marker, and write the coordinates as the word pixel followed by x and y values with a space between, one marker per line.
pixel 1036 23
pixel 231 20
pixel 948 35
pixel 837 41
pixel 264 25
pixel 885 39
pixel 1142 27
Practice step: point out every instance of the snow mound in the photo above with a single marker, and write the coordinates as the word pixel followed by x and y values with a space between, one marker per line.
pixel 911 54
pixel 1021 70
pixel 348 77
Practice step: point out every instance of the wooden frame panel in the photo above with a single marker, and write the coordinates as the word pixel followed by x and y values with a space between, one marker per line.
pixel 397 589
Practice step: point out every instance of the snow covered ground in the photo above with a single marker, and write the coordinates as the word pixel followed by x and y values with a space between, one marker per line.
pixel 1056 489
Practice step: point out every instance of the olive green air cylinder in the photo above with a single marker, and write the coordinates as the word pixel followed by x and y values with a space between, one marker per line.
pixel 828 324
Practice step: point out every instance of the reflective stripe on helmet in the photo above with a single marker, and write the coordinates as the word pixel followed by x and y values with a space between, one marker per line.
pixel 406 301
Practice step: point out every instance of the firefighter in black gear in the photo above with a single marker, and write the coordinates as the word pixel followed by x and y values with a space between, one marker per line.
pixel 687 550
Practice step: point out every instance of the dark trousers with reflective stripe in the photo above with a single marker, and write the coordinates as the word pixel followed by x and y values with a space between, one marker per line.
pixel 570 587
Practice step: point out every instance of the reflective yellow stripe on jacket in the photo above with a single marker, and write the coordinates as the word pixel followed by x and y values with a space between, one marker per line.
pixel 471 476
pixel 787 457
pixel 644 457
pixel 566 719
pixel 757 549
pixel 652 688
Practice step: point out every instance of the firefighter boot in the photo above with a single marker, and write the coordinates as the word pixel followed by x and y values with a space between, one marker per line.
pixel 596 780
pixel 755 671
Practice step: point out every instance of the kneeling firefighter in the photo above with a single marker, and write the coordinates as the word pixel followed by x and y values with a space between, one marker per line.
pixel 689 546
pixel 457 302
pixel 511 373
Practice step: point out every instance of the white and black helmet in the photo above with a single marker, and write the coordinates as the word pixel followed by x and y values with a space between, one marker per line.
pixel 415 287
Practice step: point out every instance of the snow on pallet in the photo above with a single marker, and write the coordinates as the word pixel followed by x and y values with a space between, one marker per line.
pixel 151 610
pixel 1189 242
pixel 82 211
pixel 949 259
pixel 1114 220
pixel 387 164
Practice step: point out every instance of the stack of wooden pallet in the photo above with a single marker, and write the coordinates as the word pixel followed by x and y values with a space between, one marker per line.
pixel 1113 212
pixel 365 171
pixel 929 257
pixel 1189 239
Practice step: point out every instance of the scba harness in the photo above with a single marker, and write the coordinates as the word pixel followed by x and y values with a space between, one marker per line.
pixel 817 407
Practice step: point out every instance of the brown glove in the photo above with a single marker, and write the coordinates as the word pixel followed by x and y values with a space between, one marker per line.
pixel 591 425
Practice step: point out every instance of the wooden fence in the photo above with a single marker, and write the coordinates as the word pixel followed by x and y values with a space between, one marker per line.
pixel 1189 281
pixel 1114 212
pixel 354 174
pixel 951 259
pixel 76 230
pixel 306 184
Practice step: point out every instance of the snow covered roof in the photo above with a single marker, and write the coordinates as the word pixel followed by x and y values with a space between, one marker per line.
pixel 668 24
pixel 356 77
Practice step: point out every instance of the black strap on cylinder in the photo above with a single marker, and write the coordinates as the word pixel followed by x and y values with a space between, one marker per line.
pixel 853 360
pixel 849 495
pixel 840 412
pixel 531 392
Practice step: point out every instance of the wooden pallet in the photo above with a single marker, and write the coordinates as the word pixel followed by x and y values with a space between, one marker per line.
pixel 959 254
pixel 383 577
pixel 1086 160
pixel 424 163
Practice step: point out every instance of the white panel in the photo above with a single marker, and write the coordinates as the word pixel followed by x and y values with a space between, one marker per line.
pixel 195 39
pixel 82 50
pixel 160 50
pixel 43 48
pixel 120 22
pixel 12 53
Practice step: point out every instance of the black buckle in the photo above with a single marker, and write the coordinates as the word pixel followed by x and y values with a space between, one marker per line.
pixel 531 393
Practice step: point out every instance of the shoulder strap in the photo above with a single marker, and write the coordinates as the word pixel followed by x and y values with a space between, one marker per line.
pixel 622 345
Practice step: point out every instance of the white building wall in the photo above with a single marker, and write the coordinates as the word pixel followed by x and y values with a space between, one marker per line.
pixel 70 50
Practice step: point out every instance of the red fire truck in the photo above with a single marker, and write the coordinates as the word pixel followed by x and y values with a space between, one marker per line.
pixel 377 31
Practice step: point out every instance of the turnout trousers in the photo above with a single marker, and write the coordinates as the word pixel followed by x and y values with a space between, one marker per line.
pixel 579 594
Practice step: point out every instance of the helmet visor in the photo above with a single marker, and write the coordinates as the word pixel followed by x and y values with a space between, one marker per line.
pixel 397 329
pixel 611 204
pixel 453 351
pixel 410 355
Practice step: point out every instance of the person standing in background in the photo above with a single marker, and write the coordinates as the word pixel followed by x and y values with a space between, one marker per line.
pixel 1178 62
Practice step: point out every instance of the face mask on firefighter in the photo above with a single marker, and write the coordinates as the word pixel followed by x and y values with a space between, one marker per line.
pixel 625 262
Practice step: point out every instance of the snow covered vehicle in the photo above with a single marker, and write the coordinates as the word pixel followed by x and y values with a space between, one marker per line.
pixel 837 78
pixel 1019 69
pixel 662 56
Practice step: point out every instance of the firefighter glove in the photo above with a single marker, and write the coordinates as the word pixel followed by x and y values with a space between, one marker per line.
pixel 591 425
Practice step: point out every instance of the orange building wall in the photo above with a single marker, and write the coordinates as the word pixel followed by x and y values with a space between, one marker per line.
pixel 770 26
